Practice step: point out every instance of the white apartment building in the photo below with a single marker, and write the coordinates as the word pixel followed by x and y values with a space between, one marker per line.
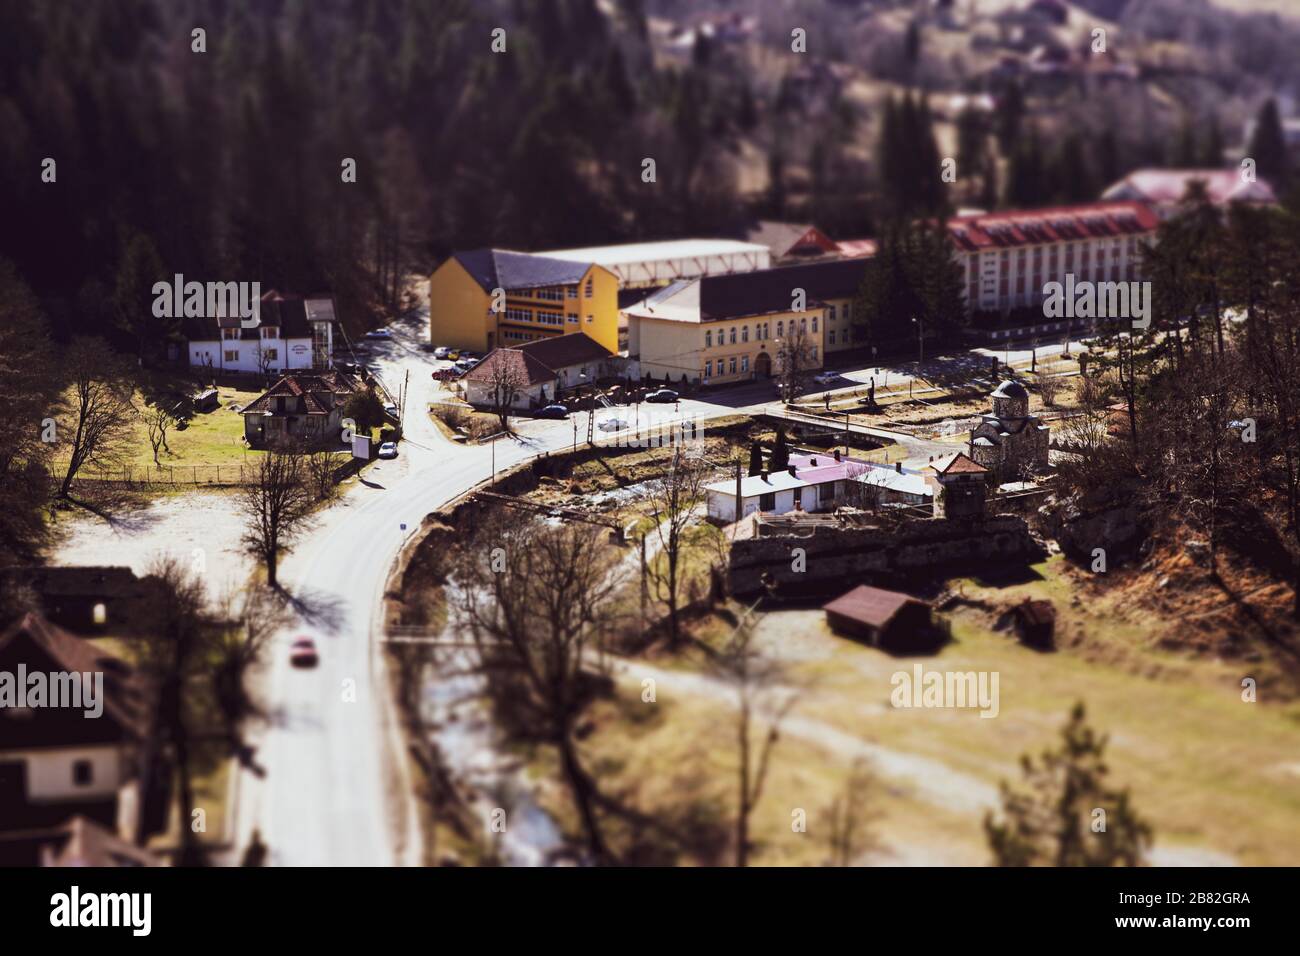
pixel 1007 257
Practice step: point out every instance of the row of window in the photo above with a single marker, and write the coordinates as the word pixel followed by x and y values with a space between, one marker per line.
pixel 762 330
pixel 726 367
pixel 268 332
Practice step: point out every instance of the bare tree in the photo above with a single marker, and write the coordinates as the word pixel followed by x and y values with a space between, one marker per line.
pixel 157 419
pixel 849 817
pixel 506 381
pixel 102 411
pixel 533 596
pixel 761 700
pixel 276 507
pixel 796 356
pixel 248 619
pixel 171 654
pixel 864 487
pixel 322 464
pixel 1048 387
pixel 673 499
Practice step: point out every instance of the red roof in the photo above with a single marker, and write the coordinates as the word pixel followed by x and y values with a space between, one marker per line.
pixel 523 369
pixel 872 606
pixel 318 390
pixel 1170 185
pixel 1029 227
pixel 958 464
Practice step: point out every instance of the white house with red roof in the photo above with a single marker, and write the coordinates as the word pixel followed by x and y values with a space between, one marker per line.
pixel 1165 189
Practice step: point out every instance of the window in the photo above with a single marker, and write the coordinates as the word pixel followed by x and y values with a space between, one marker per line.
pixel 573 318
pixel 708 369
pixel 814 323
pixel 231 355
pixel 229 334
pixel 590 291
pixel 830 336
pixel 744 334
pixel 83 773
pixel 780 330
pixel 590 319
pixel 270 332
pixel 830 314
pixel 708 340
pixel 731 366
pixel 798 497
pixel 767 502
pixel 271 354
pixel 744 364
pixel 573 292
pixel 99 613
pixel 733 335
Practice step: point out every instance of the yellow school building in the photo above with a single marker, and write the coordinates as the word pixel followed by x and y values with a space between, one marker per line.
pixel 725 329
pixel 487 298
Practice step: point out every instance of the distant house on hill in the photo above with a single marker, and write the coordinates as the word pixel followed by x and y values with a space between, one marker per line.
pixel 1165 189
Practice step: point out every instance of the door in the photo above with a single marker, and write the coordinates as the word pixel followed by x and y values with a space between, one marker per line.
pixel 763 365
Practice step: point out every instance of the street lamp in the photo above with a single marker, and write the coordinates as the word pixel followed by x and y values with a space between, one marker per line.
pixel 920 342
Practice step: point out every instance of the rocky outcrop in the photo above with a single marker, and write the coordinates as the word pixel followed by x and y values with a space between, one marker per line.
pixel 1117 527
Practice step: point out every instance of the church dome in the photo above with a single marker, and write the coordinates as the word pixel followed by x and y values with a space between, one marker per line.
pixel 1010 389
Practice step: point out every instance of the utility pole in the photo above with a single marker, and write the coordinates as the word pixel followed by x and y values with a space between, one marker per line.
pixel 645 596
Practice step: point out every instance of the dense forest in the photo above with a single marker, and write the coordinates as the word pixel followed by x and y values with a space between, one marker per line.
pixel 228 163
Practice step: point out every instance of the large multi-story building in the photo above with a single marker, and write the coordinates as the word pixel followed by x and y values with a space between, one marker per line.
pixel 539 297
pixel 1007 257
pixel 648 264
pixel 720 329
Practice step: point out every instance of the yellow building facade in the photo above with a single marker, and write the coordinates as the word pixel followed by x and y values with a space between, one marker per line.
pixel 487 298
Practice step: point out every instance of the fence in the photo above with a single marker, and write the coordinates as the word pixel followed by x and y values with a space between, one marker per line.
pixel 171 475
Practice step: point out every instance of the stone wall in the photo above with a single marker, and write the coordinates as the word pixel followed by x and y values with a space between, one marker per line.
pixel 836 559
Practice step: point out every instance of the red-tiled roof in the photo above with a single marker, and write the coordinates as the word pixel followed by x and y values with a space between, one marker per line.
pixel 562 351
pixel 316 389
pixel 997 230
pixel 523 368
pixel 872 606
pixel 958 464
pixel 124 697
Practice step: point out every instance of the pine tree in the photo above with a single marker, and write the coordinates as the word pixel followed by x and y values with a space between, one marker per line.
pixel 1055 821
pixel 755 458
pixel 780 457
pixel 1268 147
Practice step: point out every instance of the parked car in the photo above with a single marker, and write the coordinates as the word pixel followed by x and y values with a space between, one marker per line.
pixel 662 396
pixel 825 378
pixel 379 334
pixel 390 409
pixel 441 352
pixel 612 425
pixel 303 653
pixel 452 354
pixel 553 411
pixel 388 449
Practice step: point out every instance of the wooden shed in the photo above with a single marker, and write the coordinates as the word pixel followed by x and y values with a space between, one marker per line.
pixel 890 620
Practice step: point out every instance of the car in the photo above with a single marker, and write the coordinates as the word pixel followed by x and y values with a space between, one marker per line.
pixel 453 354
pixel 662 396
pixel 391 409
pixel 303 653
pixel 388 449
pixel 612 425
pixel 379 334
pixel 825 378
pixel 553 411
pixel 441 352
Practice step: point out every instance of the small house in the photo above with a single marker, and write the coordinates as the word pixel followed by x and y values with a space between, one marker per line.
pixel 889 620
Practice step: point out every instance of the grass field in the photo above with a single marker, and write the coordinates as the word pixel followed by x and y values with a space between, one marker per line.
pixel 1217 778
pixel 210 440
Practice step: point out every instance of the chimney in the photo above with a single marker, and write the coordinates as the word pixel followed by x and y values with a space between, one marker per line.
pixel 812 463
pixel 792 472
pixel 971 447
pixel 898 467
pixel 763 474
pixel 837 454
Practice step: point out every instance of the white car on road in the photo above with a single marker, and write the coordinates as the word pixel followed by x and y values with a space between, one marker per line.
pixel 388 449
pixel 612 425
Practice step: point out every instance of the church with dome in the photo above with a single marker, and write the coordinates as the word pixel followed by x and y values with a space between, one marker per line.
pixel 1009 441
